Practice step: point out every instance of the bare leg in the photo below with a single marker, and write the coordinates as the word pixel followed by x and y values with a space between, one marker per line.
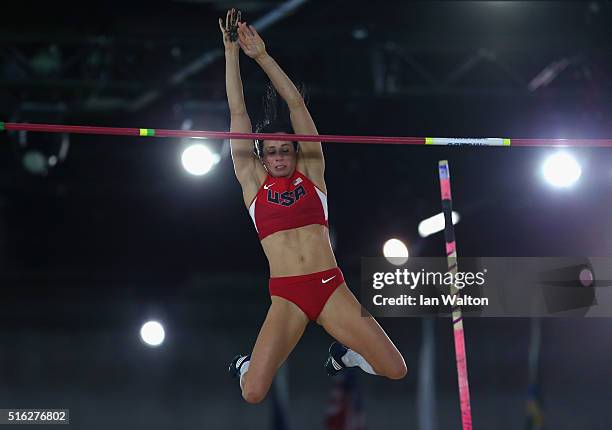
pixel 341 318
pixel 280 332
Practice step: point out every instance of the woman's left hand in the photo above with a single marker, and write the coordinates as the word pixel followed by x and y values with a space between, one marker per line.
pixel 249 40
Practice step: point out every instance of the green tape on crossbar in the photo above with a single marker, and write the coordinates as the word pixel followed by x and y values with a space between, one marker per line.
pixel 1 125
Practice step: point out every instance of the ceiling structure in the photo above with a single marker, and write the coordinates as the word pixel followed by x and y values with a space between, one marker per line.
pixel 109 60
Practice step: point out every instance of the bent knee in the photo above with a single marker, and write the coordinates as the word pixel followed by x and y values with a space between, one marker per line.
pixel 254 395
pixel 397 371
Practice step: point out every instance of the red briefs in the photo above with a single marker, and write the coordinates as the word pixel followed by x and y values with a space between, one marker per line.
pixel 309 292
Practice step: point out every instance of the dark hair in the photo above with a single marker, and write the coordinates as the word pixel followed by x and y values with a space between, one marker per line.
pixel 272 127
pixel 276 118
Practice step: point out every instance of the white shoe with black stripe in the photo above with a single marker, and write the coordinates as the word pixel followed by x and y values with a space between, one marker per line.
pixel 334 364
pixel 236 363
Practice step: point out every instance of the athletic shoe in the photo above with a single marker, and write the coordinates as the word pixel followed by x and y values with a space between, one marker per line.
pixel 235 365
pixel 334 364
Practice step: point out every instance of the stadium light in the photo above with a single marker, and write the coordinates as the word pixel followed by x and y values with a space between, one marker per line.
pixel 561 170
pixel 395 251
pixel 152 333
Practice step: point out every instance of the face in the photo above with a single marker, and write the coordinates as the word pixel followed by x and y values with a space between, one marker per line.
pixel 279 157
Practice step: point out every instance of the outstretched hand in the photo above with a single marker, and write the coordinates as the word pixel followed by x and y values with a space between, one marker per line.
pixel 229 30
pixel 250 41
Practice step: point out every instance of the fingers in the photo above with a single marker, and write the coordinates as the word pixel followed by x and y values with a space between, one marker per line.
pixel 241 34
pixel 247 30
pixel 241 37
pixel 243 29
pixel 232 18
pixel 253 31
pixel 232 24
pixel 235 18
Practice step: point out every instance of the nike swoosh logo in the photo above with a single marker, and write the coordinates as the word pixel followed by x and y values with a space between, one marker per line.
pixel 266 187
pixel 325 281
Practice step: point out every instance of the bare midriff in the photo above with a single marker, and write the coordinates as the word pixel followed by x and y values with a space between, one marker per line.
pixel 299 251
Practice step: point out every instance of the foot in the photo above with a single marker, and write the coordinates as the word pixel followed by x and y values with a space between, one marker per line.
pixel 334 364
pixel 235 365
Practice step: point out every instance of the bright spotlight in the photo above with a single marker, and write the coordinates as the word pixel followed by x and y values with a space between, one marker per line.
pixel 198 159
pixel 434 224
pixel 152 333
pixel 561 170
pixel 395 252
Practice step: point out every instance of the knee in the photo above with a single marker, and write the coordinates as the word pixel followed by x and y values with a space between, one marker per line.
pixel 397 371
pixel 253 395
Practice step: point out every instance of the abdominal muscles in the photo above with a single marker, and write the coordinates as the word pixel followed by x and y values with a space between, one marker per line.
pixel 299 251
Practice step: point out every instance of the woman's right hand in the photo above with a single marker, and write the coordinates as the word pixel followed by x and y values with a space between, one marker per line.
pixel 230 27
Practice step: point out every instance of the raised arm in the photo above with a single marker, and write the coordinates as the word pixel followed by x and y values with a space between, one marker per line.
pixel 247 167
pixel 311 153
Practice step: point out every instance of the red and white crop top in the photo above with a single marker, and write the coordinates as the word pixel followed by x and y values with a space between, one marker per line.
pixel 286 203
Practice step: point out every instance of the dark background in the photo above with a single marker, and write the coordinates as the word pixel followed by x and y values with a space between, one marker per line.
pixel 117 232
